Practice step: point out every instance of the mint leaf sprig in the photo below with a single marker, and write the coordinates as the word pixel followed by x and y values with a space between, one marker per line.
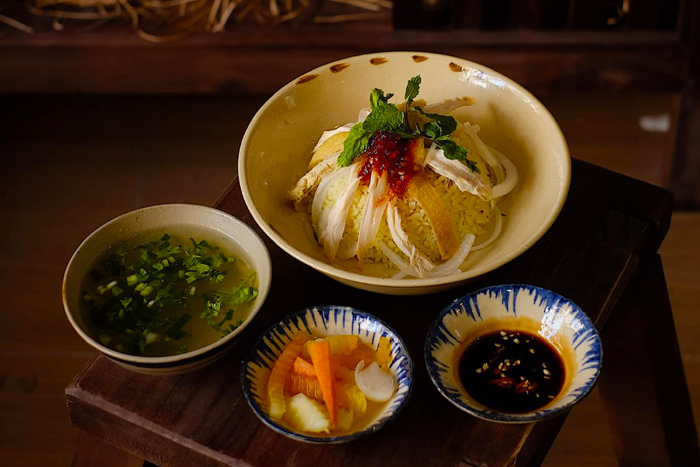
pixel 387 117
pixel 439 131
pixel 383 117
pixel 412 90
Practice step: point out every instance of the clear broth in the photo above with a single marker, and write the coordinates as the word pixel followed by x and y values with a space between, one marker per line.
pixel 200 332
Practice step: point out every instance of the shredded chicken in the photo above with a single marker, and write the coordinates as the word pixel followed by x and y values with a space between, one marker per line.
pixel 465 179
pixel 324 178
pixel 450 105
pixel 311 179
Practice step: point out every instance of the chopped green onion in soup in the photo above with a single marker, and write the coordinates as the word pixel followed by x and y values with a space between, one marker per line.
pixel 156 295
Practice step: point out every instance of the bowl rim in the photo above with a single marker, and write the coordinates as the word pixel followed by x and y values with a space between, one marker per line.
pixel 503 417
pixel 344 275
pixel 169 360
pixel 327 439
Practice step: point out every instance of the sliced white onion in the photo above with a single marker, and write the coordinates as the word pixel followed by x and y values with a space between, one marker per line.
pixel 448 268
pixel 318 214
pixel 416 258
pixel 405 273
pixel 398 261
pixel 333 232
pixel 507 185
pixel 496 231
pixel 362 116
pixel 452 273
pixel 373 212
pixel 346 250
pixel 404 268
pixel 451 265
pixel 500 174
pixel 483 149
pixel 375 383
pixel 431 154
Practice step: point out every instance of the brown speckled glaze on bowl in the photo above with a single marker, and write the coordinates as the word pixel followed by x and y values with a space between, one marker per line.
pixel 277 147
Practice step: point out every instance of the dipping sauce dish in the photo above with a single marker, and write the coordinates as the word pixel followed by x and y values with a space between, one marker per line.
pixel 524 342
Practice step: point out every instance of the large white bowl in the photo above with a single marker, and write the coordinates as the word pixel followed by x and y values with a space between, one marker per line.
pixel 277 146
pixel 220 228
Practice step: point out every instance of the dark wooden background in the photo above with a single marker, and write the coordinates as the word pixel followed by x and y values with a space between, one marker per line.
pixel 130 137
pixel 549 46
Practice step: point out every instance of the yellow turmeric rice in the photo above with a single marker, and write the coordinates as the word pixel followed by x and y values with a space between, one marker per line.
pixel 469 214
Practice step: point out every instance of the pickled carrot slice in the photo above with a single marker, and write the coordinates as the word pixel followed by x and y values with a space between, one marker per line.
pixel 320 352
pixel 304 368
pixel 349 395
pixel 280 371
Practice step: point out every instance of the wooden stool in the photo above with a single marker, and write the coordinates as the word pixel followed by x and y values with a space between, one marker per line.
pixel 601 253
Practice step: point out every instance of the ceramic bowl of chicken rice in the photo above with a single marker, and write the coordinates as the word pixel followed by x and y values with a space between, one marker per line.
pixel 402 172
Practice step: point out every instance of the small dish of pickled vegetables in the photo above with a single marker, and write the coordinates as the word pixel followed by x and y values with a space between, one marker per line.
pixel 327 375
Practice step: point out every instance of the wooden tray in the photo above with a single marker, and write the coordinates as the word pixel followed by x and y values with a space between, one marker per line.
pixel 589 256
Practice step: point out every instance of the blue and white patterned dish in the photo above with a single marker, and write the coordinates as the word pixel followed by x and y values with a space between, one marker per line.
pixel 325 321
pixel 522 307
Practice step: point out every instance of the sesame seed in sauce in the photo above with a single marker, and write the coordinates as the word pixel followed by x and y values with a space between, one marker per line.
pixel 503 375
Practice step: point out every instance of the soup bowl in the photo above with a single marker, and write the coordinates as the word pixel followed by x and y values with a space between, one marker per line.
pixel 323 321
pixel 277 146
pixel 230 234
pixel 534 310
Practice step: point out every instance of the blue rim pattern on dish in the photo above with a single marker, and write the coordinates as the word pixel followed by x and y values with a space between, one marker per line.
pixel 324 321
pixel 556 314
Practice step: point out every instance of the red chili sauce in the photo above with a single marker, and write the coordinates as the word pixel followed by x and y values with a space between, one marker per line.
pixel 512 371
pixel 389 152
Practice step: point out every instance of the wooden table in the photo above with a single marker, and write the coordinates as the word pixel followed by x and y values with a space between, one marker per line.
pixel 601 253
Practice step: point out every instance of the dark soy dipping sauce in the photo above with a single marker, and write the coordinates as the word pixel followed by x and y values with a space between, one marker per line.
pixel 511 371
